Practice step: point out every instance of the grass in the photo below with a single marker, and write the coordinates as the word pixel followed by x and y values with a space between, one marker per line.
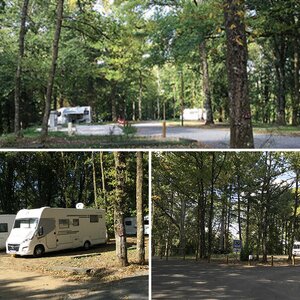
pixel 31 140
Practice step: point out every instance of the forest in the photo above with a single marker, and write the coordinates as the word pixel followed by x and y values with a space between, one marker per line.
pixel 116 182
pixel 202 201
pixel 238 59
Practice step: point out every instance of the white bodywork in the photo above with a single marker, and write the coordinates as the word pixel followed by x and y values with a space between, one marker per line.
pixel 6 224
pixel 130 225
pixel 194 114
pixel 74 114
pixel 55 229
pixel 296 248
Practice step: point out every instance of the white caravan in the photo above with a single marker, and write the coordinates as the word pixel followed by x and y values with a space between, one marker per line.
pixel 194 114
pixel 6 224
pixel 130 225
pixel 74 114
pixel 46 229
pixel 296 248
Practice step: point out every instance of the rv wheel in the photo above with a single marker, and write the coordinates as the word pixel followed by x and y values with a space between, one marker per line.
pixel 39 251
pixel 87 245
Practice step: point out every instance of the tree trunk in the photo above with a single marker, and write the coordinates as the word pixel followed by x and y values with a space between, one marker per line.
pixel 19 67
pixel 103 180
pixel 206 85
pixel 296 99
pixel 119 207
pixel 241 134
pixel 59 19
pixel 140 241
pixel 294 220
pixel 280 48
pixel 140 95
pixel 182 97
pixel 211 207
pixel 94 181
pixel 182 228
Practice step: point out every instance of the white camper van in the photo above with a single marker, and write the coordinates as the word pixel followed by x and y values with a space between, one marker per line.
pixel 78 114
pixel 6 224
pixel 130 225
pixel 296 248
pixel 46 229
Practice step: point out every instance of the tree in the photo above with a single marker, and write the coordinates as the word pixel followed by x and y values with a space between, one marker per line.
pixel 19 66
pixel 139 208
pixel 119 203
pixel 241 134
pixel 59 19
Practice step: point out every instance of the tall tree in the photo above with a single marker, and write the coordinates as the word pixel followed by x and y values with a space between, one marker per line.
pixel 119 204
pixel 59 20
pixel 241 134
pixel 139 209
pixel 19 66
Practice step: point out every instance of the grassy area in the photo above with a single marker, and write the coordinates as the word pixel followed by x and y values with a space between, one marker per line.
pixel 31 139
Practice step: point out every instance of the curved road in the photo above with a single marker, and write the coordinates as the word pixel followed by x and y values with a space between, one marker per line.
pixel 212 137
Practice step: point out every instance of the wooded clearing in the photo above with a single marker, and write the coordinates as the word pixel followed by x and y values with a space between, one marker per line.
pixel 203 201
pixel 141 60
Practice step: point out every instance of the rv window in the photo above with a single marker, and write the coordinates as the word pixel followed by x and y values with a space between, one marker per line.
pixel 94 219
pixel 146 222
pixel 128 223
pixel 25 223
pixel 63 223
pixel 3 227
pixel 75 222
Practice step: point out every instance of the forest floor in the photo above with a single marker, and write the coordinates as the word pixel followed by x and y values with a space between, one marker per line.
pixel 178 279
pixel 74 274
pixel 149 135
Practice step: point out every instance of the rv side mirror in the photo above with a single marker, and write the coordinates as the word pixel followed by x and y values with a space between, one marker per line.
pixel 41 231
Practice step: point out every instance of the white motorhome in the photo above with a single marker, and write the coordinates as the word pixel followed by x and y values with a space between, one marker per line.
pixel 46 229
pixel 296 248
pixel 74 114
pixel 194 114
pixel 6 224
pixel 130 225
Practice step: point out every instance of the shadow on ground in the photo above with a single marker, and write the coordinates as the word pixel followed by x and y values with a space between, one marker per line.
pixel 128 288
pixel 186 280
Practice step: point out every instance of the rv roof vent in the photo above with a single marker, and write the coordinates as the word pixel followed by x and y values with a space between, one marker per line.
pixel 79 205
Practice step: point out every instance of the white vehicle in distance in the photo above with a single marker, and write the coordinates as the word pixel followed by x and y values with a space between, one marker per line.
pixel 296 248
pixel 37 231
pixel 6 224
pixel 130 225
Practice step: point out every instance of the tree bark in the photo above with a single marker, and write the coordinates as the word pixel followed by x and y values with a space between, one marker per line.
pixel 140 242
pixel 19 67
pixel 119 207
pixel 59 19
pixel 296 99
pixel 140 95
pixel 241 134
pixel 206 85
pixel 280 54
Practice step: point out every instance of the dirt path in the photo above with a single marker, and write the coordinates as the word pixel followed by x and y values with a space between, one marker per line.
pixel 53 277
pixel 16 284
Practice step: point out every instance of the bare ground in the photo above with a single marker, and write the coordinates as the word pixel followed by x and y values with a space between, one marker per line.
pixel 73 275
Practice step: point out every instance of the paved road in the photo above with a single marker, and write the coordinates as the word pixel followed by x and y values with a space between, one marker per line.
pixel 217 137
pixel 189 280
pixel 212 137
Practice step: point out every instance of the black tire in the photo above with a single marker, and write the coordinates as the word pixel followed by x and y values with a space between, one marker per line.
pixel 39 251
pixel 87 245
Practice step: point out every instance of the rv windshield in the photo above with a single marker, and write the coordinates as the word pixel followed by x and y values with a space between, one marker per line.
pixel 26 223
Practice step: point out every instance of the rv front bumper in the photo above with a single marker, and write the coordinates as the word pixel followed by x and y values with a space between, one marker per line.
pixel 19 249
